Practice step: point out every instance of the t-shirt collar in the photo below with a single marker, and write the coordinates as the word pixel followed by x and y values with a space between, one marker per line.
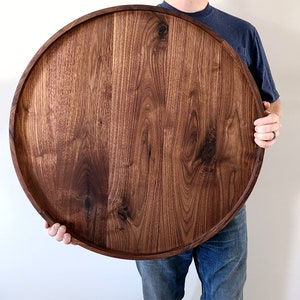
pixel 198 14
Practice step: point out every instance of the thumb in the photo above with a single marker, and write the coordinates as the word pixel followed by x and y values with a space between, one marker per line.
pixel 267 106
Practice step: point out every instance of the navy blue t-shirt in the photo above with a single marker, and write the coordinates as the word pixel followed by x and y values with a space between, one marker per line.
pixel 244 39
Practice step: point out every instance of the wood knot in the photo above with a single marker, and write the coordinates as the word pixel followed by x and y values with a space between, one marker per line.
pixel 123 210
pixel 123 214
pixel 207 150
pixel 163 29
pixel 87 203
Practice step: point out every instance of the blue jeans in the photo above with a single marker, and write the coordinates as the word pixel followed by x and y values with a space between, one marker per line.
pixel 220 264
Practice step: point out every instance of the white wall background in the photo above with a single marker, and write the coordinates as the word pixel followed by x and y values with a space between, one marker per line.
pixel 34 266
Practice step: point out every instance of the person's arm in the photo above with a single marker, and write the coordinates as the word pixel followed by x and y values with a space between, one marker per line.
pixel 267 129
pixel 59 232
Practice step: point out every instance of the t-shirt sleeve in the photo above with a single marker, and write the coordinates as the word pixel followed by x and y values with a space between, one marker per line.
pixel 260 69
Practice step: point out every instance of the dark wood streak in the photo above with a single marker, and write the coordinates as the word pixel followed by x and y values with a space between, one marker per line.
pixel 207 151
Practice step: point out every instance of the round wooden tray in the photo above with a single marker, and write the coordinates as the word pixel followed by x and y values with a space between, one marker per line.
pixel 133 126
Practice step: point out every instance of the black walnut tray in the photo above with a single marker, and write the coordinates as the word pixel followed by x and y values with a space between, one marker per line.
pixel 133 126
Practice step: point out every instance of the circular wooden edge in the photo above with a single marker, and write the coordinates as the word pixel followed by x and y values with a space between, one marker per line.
pixel 111 10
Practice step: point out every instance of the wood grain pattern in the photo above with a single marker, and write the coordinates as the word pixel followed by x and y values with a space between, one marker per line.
pixel 134 127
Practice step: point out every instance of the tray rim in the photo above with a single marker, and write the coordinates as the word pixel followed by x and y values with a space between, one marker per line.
pixel 111 10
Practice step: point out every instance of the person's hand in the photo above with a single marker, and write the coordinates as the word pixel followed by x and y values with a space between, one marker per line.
pixel 59 232
pixel 267 129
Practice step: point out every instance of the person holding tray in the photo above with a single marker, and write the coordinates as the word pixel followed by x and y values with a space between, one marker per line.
pixel 220 261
